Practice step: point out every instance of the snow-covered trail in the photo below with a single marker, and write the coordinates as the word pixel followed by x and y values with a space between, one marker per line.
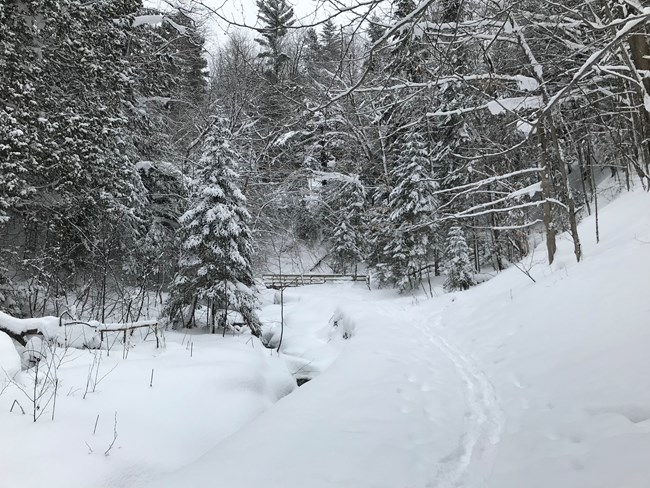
pixel 399 408
pixel 471 464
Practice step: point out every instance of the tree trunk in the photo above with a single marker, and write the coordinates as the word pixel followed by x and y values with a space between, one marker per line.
pixel 551 246
pixel 571 204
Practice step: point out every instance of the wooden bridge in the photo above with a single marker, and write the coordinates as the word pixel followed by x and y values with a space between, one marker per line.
pixel 278 281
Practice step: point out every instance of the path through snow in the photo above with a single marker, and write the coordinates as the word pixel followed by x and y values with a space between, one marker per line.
pixel 470 465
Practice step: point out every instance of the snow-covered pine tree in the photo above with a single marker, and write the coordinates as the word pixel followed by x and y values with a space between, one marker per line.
pixel 216 249
pixel 276 17
pixel 458 265
pixel 413 205
pixel 18 69
pixel 378 231
pixel 348 242
pixel 65 85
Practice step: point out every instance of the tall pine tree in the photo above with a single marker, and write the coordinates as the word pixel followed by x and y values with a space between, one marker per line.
pixel 412 204
pixel 216 249
pixel 276 17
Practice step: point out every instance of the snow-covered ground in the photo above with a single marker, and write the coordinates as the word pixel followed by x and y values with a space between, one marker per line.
pixel 204 388
pixel 511 384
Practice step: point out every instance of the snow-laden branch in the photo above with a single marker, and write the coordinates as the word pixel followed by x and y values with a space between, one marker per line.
pixel 524 83
pixel 528 191
pixel 158 20
pixel 466 214
pixel 17 329
pixel 628 27
pixel 493 179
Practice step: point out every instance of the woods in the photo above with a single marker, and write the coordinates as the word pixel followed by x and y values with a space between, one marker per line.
pixel 139 172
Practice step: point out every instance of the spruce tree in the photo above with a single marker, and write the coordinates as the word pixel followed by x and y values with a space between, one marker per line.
pixel 18 70
pixel 331 41
pixel 412 204
pixel 348 243
pixel 458 266
pixel 276 17
pixel 216 249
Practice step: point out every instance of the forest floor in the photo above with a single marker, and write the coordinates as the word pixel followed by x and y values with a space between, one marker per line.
pixel 512 383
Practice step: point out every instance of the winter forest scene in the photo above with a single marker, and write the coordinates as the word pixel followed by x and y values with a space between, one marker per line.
pixel 324 243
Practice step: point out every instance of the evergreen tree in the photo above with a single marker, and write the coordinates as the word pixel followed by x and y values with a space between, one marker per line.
pixel 331 41
pixel 18 70
pixel 216 242
pixel 347 239
pixel 66 94
pixel 276 17
pixel 412 204
pixel 458 266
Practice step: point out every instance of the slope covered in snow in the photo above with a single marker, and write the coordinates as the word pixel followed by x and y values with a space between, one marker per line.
pixel 512 383
pixel 119 421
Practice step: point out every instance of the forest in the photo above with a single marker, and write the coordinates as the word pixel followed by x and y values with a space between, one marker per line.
pixel 343 244
pixel 141 174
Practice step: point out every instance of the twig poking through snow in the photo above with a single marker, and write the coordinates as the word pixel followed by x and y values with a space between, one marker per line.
pixel 16 402
pixel 107 451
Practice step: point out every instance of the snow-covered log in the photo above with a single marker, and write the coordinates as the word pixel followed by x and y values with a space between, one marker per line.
pixel 20 329
pixel 75 334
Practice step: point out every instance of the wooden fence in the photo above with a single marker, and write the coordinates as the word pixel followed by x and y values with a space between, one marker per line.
pixel 278 281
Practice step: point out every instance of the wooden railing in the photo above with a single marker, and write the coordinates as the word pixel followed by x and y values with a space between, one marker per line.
pixel 288 280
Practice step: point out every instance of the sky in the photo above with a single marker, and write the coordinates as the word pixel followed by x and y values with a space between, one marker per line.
pixel 245 12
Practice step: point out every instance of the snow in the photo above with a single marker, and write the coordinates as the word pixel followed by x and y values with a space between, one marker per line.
pixel 148 20
pixel 514 104
pixel 205 387
pixel 157 20
pixel 525 127
pixel 9 359
pixel 530 191
pixel 144 166
pixel 510 384
pixel 282 139
pixel 526 83
pixel 48 326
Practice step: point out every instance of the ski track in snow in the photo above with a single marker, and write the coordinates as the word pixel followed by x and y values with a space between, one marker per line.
pixel 470 464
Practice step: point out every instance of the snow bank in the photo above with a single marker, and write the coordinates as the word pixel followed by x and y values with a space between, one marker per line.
pixel 9 358
pixel 342 325
pixel 204 389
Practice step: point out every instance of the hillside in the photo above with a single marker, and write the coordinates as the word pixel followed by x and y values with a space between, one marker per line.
pixel 513 383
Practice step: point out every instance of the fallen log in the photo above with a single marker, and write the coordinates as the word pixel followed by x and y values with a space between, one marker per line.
pixel 21 329
pixel 20 338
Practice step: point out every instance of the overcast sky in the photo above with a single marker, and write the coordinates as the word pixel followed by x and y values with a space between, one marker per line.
pixel 245 12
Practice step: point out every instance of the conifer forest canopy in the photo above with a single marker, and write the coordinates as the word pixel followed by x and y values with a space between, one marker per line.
pixel 403 138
